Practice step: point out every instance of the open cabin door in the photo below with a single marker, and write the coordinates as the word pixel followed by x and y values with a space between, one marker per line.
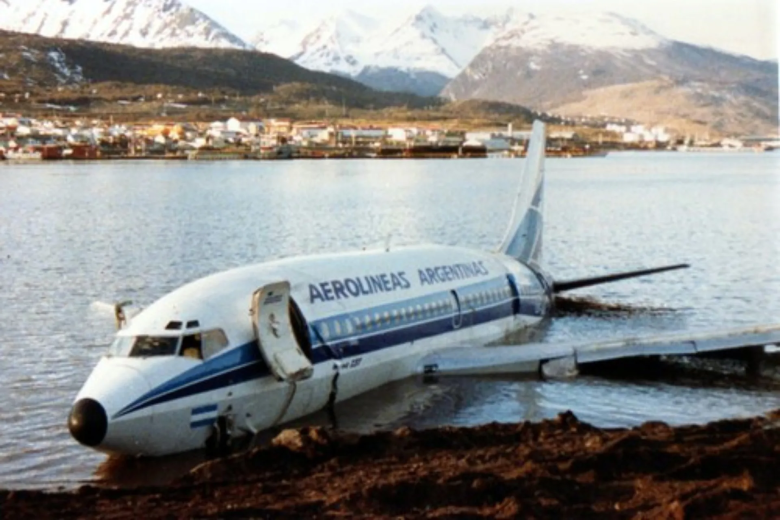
pixel 275 337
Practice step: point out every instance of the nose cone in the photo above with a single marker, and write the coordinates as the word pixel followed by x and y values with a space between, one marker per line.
pixel 88 422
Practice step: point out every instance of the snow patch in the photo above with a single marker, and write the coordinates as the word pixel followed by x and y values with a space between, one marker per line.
pixel 63 72
pixel 426 40
pixel 600 31
pixel 143 23
pixel 30 55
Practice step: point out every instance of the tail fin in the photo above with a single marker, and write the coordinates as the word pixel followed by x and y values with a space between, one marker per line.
pixel 523 238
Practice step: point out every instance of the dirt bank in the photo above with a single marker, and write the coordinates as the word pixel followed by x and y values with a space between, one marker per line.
pixel 561 468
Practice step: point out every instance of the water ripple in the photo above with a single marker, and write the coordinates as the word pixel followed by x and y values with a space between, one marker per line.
pixel 75 234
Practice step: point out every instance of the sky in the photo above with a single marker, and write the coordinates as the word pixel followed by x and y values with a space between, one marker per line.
pixel 747 27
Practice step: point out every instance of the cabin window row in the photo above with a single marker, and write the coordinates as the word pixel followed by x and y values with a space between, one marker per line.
pixel 486 297
pixel 338 328
pixel 344 327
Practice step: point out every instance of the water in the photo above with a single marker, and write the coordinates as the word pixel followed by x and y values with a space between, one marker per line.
pixel 72 235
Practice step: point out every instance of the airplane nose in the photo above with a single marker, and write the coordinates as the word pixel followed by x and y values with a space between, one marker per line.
pixel 87 422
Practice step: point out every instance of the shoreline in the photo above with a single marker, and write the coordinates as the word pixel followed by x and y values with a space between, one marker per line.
pixel 560 468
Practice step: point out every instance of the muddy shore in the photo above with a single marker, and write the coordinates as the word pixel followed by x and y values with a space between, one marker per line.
pixel 561 468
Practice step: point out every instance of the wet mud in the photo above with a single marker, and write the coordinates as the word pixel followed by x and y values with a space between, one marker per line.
pixel 593 307
pixel 560 468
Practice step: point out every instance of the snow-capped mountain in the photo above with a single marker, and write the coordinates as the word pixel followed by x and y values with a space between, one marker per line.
pixel 544 60
pixel 610 65
pixel 548 61
pixel 424 51
pixel 142 23
pixel 335 45
pixel 420 53
pixel 431 41
pixel 586 30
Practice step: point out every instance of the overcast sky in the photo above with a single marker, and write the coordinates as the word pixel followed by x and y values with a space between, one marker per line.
pixel 739 26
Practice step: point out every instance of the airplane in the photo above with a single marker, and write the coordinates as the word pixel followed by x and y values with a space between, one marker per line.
pixel 251 348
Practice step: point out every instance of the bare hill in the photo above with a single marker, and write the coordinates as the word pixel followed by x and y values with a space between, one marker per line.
pixel 688 107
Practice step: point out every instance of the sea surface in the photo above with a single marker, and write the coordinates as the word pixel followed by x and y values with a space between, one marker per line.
pixel 76 236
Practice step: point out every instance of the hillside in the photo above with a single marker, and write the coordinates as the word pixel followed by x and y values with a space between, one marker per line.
pixel 690 108
pixel 63 71
pixel 694 86
pixel 48 75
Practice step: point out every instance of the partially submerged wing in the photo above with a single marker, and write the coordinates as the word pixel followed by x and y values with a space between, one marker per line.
pixel 505 359
pixel 529 358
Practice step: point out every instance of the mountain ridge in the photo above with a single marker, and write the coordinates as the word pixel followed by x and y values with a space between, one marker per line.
pixel 548 62
pixel 142 23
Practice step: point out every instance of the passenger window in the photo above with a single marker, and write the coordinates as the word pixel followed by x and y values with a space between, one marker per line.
pixel 337 328
pixel 213 341
pixel 191 346
pixel 324 331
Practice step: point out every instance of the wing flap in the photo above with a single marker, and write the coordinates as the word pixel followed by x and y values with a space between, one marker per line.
pixel 669 345
pixel 508 359
pixel 528 358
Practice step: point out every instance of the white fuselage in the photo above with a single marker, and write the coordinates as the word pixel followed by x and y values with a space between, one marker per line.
pixel 367 318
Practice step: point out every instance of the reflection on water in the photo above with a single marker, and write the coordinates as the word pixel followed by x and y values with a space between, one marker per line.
pixel 75 234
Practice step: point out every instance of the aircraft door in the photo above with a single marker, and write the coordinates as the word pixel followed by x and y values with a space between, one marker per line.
pixel 275 337
pixel 457 318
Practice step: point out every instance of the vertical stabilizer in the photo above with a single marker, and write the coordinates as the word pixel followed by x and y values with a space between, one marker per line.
pixel 523 238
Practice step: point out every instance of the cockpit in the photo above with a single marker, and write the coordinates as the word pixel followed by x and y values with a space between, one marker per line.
pixel 191 342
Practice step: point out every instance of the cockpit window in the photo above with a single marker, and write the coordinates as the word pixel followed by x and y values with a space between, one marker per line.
pixel 148 346
pixel 200 345
pixel 191 346
pixel 212 342
pixel 121 346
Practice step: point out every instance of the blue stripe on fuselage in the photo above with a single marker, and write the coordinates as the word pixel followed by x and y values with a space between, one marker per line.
pixel 234 366
pixel 484 302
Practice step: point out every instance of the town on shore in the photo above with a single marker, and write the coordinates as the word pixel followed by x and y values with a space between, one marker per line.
pixel 26 138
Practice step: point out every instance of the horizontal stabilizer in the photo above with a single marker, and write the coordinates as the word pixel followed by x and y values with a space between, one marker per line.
pixel 527 358
pixel 568 285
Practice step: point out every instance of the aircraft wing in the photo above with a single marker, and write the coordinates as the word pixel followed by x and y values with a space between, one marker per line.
pixel 530 357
